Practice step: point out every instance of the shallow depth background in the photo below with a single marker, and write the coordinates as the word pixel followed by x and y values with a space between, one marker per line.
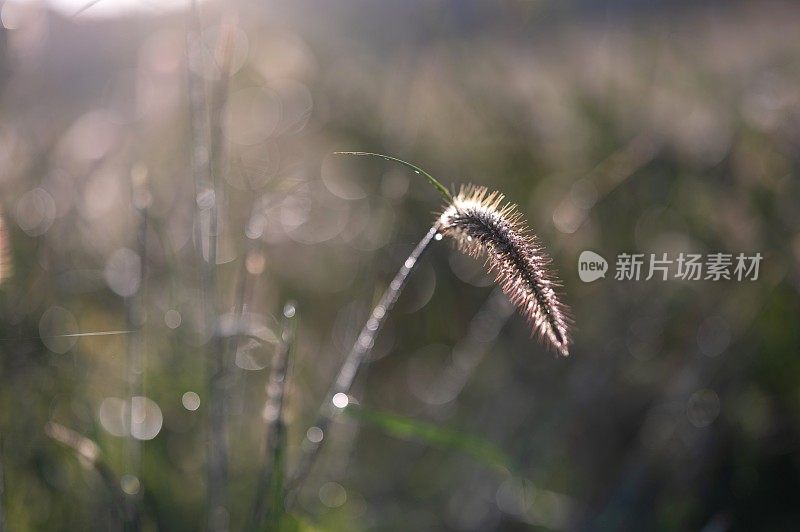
pixel 649 129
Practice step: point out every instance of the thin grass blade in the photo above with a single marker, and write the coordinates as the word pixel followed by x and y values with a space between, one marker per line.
pixel 409 429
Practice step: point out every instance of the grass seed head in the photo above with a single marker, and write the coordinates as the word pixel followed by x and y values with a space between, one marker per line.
pixel 484 225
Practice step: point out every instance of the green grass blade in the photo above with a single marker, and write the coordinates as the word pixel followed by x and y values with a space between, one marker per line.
pixel 432 180
pixel 409 429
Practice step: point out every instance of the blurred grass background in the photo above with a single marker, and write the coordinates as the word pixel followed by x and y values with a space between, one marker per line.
pixel 668 127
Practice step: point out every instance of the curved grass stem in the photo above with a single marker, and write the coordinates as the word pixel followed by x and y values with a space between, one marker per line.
pixel 357 356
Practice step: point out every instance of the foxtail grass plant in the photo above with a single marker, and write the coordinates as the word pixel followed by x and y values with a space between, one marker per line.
pixel 482 225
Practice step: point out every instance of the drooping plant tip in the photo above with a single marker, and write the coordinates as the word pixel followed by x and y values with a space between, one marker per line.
pixel 484 225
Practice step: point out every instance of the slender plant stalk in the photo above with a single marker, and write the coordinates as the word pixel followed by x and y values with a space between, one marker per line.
pixel 244 280
pixel 218 459
pixel 135 346
pixel 270 491
pixel 89 454
pixel 204 169
pixel 85 6
pixel 6 269
pixel 366 338
pixel 6 262
pixel 201 171
pixel 2 485
pixel 482 332
pixel 358 354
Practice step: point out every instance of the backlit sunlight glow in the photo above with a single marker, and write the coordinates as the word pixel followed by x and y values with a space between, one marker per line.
pixel 107 8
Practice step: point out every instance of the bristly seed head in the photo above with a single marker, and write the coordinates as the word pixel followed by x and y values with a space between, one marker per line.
pixel 483 225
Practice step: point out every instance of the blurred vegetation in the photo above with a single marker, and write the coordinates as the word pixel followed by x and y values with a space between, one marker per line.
pixel 644 129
